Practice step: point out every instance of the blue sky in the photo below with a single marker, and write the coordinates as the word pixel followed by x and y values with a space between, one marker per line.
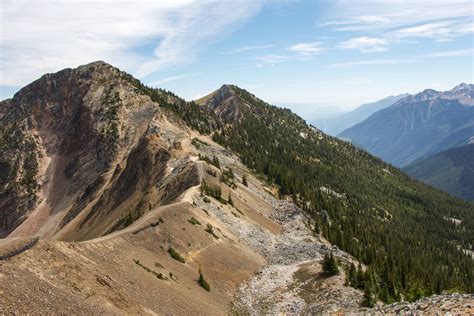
pixel 308 55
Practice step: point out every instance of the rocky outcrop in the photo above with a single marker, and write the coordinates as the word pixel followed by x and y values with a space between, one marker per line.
pixel 82 148
pixel 451 304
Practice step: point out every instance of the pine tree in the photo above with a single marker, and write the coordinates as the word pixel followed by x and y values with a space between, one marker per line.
pixel 230 201
pixel 351 278
pixel 369 297
pixel 360 283
pixel 369 290
pixel 202 282
pixel 215 162
pixel 329 265
pixel 244 180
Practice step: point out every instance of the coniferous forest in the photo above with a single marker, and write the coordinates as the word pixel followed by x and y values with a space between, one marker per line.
pixel 401 229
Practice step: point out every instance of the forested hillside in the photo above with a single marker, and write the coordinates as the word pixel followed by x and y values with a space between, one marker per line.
pixel 451 170
pixel 396 226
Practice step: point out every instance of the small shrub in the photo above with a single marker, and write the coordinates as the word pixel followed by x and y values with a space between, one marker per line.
pixel 202 282
pixel 215 162
pixel 227 177
pixel 244 180
pixel 214 191
pixel 175 255
pixel 211 172
pixel 194 221
pixel 209 229
pixel 157 274
pixel 329 265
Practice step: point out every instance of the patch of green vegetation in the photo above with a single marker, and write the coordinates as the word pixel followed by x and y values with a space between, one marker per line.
pixel 175 255
pixel 214 161
pixel 111 103
pixel 202 282
pixel 18 158
pixel 211 172
pixel 228 177
pixel 159 275
pixel 196 142
pixel 244 180
pixel 214 191
pixel 330 267
pixel 128 218
pixel 209 229
pixel 194 221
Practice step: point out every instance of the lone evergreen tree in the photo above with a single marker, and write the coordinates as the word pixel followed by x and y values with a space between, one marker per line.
pixel 369 296
pixel 215 162
pixel 329 265
pixel 351 277
pixel 244 180
pixel 202 282
pixel 230 201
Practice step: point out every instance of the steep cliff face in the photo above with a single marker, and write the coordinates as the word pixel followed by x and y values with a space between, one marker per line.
pixel 80 141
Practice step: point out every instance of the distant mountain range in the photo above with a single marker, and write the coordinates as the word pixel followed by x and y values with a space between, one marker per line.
pixel 417 126
pixel 451 170
pixel 335 124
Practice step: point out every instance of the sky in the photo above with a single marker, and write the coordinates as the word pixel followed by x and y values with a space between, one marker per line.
pixel 311 56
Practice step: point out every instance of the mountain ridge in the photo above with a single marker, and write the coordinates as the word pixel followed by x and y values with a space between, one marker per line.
pixel 339 123
pixel 417 126
pixel 163 179
pixel 450 170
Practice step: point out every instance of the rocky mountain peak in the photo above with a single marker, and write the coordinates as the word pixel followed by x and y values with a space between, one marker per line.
pixel 463 86
pixel 225 102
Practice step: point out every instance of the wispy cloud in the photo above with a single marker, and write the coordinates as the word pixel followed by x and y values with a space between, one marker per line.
pixel 248 48
pixel 450 53
pixel 275 58
pixel 45 36
pixel 395 21
pixel 307 49
pixel 356 23
pixel 370 62
pixel 366 44
pixel 299 52
pixel 173 78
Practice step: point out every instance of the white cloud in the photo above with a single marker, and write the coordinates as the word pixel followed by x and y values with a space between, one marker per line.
pixel 424 30
pixel 366 44
pixel 370 62
pixel 275 59
pixel 45 36
pixel 248 48
pixel 450 53
pixel 392 14
pixel 300 52
pixel 398 20
pixel 308 49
